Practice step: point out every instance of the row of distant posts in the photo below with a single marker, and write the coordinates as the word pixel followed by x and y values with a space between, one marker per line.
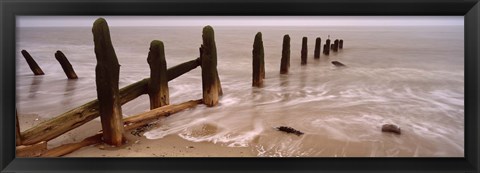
pixel 259 62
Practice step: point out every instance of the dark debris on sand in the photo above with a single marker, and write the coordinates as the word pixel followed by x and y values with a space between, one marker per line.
pixel 338 64
pixel 289 130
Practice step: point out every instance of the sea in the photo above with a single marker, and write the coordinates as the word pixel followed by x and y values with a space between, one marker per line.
pixel 410 76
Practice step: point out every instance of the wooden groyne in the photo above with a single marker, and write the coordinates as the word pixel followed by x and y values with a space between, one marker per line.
pixel 33 142
pixel 110 97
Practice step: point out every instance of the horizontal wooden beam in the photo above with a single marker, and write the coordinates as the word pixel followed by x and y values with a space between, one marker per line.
pixel 76 117
pixel 131 123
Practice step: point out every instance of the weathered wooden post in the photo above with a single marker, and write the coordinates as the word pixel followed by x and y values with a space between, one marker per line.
pixel 335 45
pixel 340 44
pixel 258 64
pixel 158 85
pixel 107 74
pixel 304 51
pixel 18 136
pixel 318 42
pixel 285 62
pixel 32 64
pixel 66 66
pixel 326 50
pixel 208 56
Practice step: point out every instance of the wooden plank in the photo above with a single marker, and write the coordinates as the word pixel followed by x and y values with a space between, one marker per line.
pixel 158 86
pixel 107 76
pixel 78 116
pixel 131 123
pixel 34 150
pixel 66 66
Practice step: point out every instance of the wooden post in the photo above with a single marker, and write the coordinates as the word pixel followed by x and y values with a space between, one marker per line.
pixel 258 61
pixel 318 42
pixel 285 62
pixel 208 56
pixel 340 44
pixel 326 51
pixel 18 136
pixel 66 66
pixel 335 45
pixel 304 51
pixel 107 74
pixel 32 64
pixel 158 85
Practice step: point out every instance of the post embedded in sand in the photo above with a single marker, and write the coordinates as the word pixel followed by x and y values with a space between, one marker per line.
pixel 318 42
pixel 326 50
pixel 158 85
pixel 285 62
pixel 332 47
pixel 32 64
pixel 18 136
pixel 66 66
pixel 304 51
pixel 340 44
pixel 208 55
pixel 107 74
pixel 258 64
pixel 335 45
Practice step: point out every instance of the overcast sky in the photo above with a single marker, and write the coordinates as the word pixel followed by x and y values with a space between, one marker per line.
pixel 45 21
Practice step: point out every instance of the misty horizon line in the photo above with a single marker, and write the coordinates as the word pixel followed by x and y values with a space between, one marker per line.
pixel 52 26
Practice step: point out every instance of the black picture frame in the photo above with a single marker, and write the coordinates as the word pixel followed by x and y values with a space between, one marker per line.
pixel 470 9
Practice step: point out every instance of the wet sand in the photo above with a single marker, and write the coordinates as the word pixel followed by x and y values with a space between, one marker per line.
pixel 137 146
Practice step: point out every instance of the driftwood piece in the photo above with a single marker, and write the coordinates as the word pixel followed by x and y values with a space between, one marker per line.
pixel 208 56
pixel 316 53
pixel 18 136
pixel 289 130
pixel 131 123
pixel 285 61
pixel 66 66
pixel 158 86
pixel 32 64
pixel 76 117
pixel 107 76
pixel 304 51
pixel 34 150
pixel 258 63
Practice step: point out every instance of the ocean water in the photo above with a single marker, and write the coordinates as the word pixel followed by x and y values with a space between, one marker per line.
pixel 411 76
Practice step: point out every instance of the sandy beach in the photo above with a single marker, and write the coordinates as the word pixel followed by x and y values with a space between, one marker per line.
pixel 137 145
